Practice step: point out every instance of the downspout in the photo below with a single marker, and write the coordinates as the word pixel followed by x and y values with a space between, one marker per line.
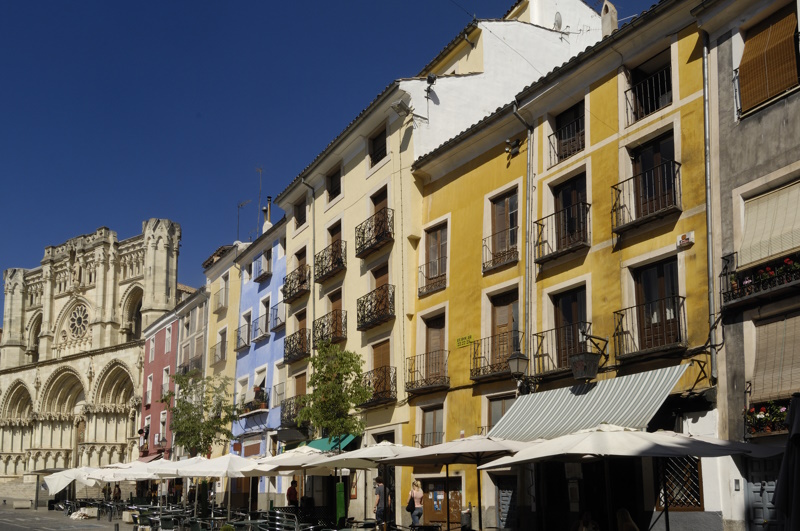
pixel 709 246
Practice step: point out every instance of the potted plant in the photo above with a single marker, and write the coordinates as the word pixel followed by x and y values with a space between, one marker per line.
pixel 767 418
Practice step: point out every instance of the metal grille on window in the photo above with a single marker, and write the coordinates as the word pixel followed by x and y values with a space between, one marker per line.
pixel 680 479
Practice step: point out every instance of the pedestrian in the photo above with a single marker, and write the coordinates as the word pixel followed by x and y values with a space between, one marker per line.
pixel 106 491
pixel 291 494
pixel 416 495
pixel 382 500
pixel 117 493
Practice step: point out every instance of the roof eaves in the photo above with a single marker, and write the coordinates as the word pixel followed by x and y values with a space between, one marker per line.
pixel 219 253
pixel 448 47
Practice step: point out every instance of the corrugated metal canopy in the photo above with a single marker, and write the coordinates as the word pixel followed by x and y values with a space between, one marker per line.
pixel 629 401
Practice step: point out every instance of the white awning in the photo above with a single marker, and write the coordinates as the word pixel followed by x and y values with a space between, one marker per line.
pixel 629 401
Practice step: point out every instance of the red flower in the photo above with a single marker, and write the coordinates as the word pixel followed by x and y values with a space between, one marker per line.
pixel 788 261
pixel 763 410
pixel 752 410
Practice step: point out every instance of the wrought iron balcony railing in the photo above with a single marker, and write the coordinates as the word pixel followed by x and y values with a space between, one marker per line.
pixel 290 407
pixel 563 232
pixel 331 260
pixel 375 232
pixel 432 276
pixel 427 372
pixel 297 283
pixel 219 351
pixel 260 402
pixel 262 268
pixel 490 355
pixel 501 248
pixel 278 393
pixel 653 327
pixel 375 307
pixel 553 348
pixel 242 337
pixel 741 286
pixel 650 195
pixel 383 382
pixel 261 327
pixel 221 299
pixel 194 364
pixel 423 440
pixel 649 95
pixel 567 141
pixel 297 346
pixel 277 317
pixel 330 328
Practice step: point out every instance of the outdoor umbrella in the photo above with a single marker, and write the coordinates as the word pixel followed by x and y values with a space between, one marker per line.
pixel 226 466
pixel 477 449
pixel 172 469
pixel 301 457
pixel 60 480
pixel 787 490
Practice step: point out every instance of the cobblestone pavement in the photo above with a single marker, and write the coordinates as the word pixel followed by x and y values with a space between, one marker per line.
pixel 18 519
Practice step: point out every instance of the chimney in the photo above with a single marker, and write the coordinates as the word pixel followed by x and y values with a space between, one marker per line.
pixel 608 18
pixel 267 210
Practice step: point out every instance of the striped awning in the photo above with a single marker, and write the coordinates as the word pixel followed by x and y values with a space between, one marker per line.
pixel 629 401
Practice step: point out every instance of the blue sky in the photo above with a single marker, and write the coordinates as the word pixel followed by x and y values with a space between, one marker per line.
pixel 115 112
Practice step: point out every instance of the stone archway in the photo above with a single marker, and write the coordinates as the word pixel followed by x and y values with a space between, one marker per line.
pixel 64 393
pixel 132 312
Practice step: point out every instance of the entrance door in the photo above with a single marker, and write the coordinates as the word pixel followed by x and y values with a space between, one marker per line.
pixel 570 310
pixel 657 305
pixel 506 501
pixel 570 218
pixel 434 503
pixel 434 347
pixel 505 316
pixel 761 481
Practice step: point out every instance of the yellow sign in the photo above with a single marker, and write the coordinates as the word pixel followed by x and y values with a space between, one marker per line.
pixel 464 341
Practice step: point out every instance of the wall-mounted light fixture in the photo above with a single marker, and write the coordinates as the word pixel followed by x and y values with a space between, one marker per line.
pixel 512 146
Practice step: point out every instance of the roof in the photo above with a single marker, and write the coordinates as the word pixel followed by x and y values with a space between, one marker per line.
pixel 252 249
pixel 449 46
pixel 216 255
pixel 186 289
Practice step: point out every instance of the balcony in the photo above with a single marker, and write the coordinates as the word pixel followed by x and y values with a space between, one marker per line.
pixel 754 285
pixel 490 355
pixel 262 268
pixel 261 328
pixel 219 351
pixel 242 337
pixel 330 328
pixel 427 372
pixel 330 261
pixel 383 382
pixel 290 407
pixel 423 440
pixel 277 316
pixel 375 232
pixel 649 95
pixel 432 276
pixel 553 348
pixel 278 393
pixel 375 307
pixel 259 404
pixel 500 249
pixel 567 141
pixel 296 284
pixel 657 327
pixel 297 346
pixel 564 232
pixel 221 300
pixel 645 197
pixel 194 364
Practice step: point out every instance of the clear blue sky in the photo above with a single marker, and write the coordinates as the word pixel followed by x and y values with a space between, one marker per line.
pixel 115 112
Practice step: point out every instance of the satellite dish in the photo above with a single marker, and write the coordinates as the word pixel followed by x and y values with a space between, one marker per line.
pixel 557 22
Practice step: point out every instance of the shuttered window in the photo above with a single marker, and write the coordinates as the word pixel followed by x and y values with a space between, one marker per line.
pixel 777 370
pixel 769 60
pixel 771 224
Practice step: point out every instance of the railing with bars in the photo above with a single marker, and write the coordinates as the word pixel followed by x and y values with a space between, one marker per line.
pixel 297 346
pixel 330 328
pixel 659 325
pixel 646 196
pixel 277 316
pixel 567 141
pixel 383 382
pixel 490 354
pixel 296 283
pixel 683 479
pixel 432 276
pixel 261 327
pixel 290 407
pixel 220 351
pixel 427 372
pixel 330 261
pixel 373 233
pixel 194 364
pixel 375 307
pixel 243 337
pixel 423 440
pixel 501 248
pixel 552 348
pixel 221 299
pixel 563 232
pixel 262 268
pixel 278 393
pixel 767 279
pixel 649 95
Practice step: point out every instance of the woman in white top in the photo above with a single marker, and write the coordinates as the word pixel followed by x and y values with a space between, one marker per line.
pixel 416 495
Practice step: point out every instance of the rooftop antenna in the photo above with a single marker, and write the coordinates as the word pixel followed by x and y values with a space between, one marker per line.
pixel 238 209
pixel 260 170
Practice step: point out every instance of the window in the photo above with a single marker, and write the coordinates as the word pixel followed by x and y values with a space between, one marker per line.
pixel 569 136
pixel 162 431
pixel 769 60
pixel 655 171
pixel 505 323
pixel 300 213
pixel 658 305
pixel 241 389
pixel 377 147
pixel 152 348
pixel 771 226
pixel 432 426
pixel 380 200
pixel 498 406
pixel 571 327
pixel 571 220
pixel 300 384
pixel 777 368
pixel 149 391
pixel 165 382
pixel 504 224
pixel 247 272
pixel 168 340
pixel 651 87
pixel 435 354
pixel 333 184
pixel 435 268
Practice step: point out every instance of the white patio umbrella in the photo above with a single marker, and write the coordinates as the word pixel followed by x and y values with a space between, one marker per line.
pixel 368 456
pixel 165 469
pixel 227 466
pixel 61 480
pixel 302 457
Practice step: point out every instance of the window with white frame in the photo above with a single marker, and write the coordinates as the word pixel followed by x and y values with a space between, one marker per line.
pixel 333 184
pixel 377 147
pixel 299 210
pixel 165 382
pixel 148 397
pixel 152 348
pixel 168 339
pixel 241 389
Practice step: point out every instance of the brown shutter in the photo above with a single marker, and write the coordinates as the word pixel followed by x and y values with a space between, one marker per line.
pixel 777 368
pixel 336 300
pixel 380 354
pixel 300 384
pixel 381 275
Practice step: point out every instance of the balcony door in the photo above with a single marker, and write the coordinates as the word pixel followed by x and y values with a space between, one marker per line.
pixel 654 185
pixel 436 248
pixel 302 338
pixel 300 384
pixel 658 309
pixel 380 200
pixel 505 319
pixel 434 347
pixel 301 265
pixel 570 310
pixel 381 278
pixel 335 299
pixel 504 223
pixel 381 361
pixel 335 236
pixel 432 426
pixel 570 214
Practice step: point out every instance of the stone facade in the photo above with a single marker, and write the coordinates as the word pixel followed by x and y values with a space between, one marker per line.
pixel 71 354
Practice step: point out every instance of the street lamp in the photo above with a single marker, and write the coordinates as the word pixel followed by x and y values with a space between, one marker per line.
pixel 518 364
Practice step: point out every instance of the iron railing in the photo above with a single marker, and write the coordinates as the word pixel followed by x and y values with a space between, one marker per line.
pixel 383 382
pixel 649 95
pixel 432 276
pixel 194 364
pixel 261 327
pixel 242 337
pixel 375 232
pixel 563 232
pixel 656 326
pixel 567 141
pixel 331 260
pixel 490 355
pixel 221 299
pixel 553 348
pixel 297 346
pixel 278 393
pixel 500 248
pixel 650 195
pixel 296 283
pixel 259 402
pixel 262 268
pixel 375 307
pixel 427 372
pixel 290 407
pixel 277 316
pixel 219 351
pixel 330 328
pixel 767 280
pixel 423 440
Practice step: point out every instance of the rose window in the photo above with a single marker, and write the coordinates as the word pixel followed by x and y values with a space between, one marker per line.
pixel 78 321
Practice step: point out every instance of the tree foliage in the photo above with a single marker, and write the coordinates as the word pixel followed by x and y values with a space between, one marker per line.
pixel 201 412
pixel 337 384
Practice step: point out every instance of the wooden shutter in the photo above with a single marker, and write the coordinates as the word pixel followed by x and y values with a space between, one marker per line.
pixel 380 354
pixel 381 275
pixel 777 368
pixel 300 384
pixel 301 319
pixel 336 233
pixel 336 300
pixel 380 200
pixel 771 224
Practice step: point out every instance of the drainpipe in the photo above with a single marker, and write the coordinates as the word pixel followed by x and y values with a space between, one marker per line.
pixel 709 242
pixel 313 245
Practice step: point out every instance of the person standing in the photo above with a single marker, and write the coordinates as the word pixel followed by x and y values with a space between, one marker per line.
pixel 291 494
pixel 382 500
pixel 416 494
pixel 117 493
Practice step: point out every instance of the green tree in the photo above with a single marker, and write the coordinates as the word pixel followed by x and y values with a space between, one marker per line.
pixel 337 387
pixel 201 412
